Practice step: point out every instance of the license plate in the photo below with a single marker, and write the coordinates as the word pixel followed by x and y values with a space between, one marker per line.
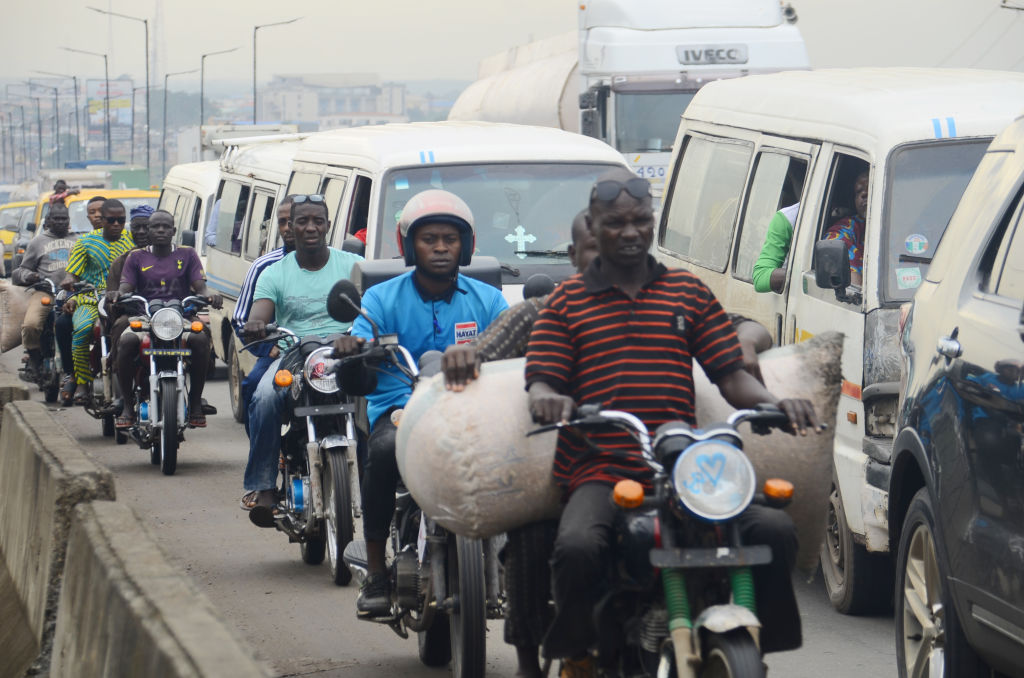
pixel 688 558
pixel 167 351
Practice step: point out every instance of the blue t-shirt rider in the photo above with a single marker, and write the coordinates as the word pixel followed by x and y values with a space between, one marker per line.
pixel 430 308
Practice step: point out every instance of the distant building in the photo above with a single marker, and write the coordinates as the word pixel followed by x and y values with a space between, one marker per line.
pixel 332 100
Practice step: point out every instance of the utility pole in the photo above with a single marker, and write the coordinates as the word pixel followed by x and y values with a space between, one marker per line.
pixel 78 130
pixel 163 142
pixel 106 93
pixel 254 29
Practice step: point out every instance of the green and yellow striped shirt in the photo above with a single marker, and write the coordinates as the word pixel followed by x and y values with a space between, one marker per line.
pixel 92 255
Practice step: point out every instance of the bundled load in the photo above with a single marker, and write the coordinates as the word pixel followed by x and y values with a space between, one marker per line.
pixel 13 302
pixel 467 462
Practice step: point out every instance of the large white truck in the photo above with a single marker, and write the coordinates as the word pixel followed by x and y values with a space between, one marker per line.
pixel 628 72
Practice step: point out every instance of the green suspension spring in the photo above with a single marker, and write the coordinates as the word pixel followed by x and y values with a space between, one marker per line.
pixel 676 599
pixel 743 588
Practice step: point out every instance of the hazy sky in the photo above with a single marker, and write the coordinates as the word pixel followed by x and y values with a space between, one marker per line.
pixel 421 39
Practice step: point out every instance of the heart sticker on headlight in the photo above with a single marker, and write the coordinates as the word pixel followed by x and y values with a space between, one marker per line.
pixel 712 466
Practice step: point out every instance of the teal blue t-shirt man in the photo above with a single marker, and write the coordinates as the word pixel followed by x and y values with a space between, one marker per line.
pixel 300 303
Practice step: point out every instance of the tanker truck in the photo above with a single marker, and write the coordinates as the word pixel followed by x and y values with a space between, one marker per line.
pixel 630 69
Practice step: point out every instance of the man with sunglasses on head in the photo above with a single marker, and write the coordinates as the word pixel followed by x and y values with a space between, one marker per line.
pixel 90 261
pixel 624 335
pixel 293 293
pixel 430 308
pixel 265 353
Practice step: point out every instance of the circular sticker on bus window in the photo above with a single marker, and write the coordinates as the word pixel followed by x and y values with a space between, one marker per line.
pixel 908 278
pixel 916 243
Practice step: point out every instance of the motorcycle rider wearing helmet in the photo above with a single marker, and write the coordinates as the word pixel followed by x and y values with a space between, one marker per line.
pixel 429 308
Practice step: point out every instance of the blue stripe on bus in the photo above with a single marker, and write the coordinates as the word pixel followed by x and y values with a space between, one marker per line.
pixel 951 124
pixel 223 285
pixel 937 128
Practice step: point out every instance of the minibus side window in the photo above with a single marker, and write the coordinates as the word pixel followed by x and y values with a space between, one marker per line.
pixel 168 199
pixel 360 205
pixel 840 214
pixel 259 225
pixel 303 183
pixel 234 199
pixel 705 199
pixel 777 183
pixel 333 190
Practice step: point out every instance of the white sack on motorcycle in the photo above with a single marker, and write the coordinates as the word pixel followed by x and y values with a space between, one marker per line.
pixel 466 461
pixel 13 302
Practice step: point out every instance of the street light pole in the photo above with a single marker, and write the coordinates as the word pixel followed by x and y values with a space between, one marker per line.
pixel 106 93
pixel 163 142
pixel 145 25
pixel 254 29
pixel 56 116
pixel 202 86
pixel 78 129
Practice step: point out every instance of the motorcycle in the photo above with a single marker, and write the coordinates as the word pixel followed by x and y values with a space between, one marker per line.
pixel 444 587
pixel 319 462
pixel 681 600
pixel 161 401
pixel 48 375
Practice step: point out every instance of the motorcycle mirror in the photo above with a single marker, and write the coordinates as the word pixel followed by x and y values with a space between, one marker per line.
pixel 343 301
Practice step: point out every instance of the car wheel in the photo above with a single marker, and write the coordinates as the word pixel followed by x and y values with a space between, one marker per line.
pixel 857 582
pixel 929 639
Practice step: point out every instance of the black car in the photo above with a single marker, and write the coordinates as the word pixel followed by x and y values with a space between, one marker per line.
pixel 956 493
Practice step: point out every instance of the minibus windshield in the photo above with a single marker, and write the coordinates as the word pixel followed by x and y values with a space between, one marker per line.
pixel 523 212
pixel 925 183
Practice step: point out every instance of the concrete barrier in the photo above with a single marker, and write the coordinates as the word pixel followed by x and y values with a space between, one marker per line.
pixel 11 389
pixel 44 474
pixel 125 611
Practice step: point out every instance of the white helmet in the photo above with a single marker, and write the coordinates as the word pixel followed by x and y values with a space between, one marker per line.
pixel 436 206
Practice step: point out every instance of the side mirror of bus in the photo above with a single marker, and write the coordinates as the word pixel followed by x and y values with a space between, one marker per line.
pixel 831 265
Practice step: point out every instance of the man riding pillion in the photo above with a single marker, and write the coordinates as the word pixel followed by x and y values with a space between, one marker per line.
pixel 423 307
pixel 624 335
pixel 45 257
pixel 163 271
pixel 90 261
pixel 293 293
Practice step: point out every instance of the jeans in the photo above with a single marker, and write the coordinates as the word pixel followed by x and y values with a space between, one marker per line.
pixel 380 479
pixel 265 411
pixel 249 385
pixel 582 561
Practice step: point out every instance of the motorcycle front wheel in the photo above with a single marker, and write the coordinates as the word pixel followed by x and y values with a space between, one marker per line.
pixel 338 509
pixel 732 655
pixel 467 619
pixel 169 430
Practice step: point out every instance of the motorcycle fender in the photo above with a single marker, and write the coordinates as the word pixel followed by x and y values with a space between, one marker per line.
pixel 724 618
pixel 335 442
pixel 316 467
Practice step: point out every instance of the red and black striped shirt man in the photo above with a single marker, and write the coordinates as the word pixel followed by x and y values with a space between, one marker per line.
pixel 596 344
pixel 624 334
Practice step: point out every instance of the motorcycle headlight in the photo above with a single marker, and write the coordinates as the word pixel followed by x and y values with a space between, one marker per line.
pixel 714 480
pixel 166 324
pixel 316 370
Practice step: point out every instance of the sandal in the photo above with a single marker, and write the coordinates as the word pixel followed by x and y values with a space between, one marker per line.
pixel 196 419
pixel 124 421
pixel 82 397
pixel 248 501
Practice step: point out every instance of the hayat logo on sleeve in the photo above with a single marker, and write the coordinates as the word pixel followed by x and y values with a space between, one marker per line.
pixel 465 332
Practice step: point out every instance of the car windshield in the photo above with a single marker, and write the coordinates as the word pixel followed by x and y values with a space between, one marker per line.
pixel 647 121
pixel 80 218
pixel 523 212
pixel 9 218
pixel 925 183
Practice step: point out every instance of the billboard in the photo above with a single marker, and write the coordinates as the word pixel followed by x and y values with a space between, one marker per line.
pixel 120 109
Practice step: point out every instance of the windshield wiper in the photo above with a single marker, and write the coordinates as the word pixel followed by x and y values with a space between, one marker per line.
pixel 511 270
pixel 914 259
pixel 543 253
